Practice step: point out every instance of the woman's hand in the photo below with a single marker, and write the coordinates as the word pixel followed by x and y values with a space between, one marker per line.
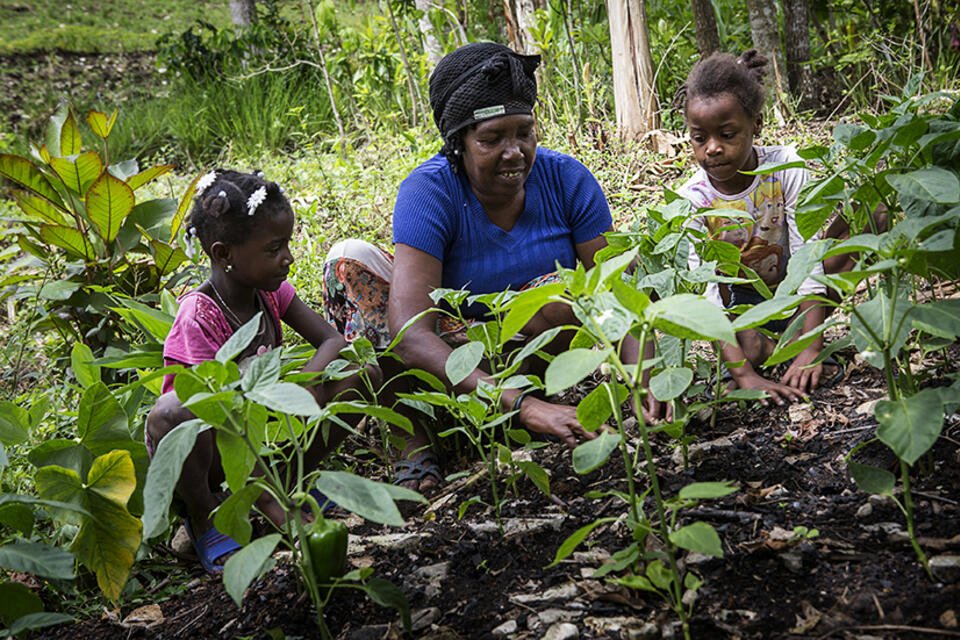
pixel 777 391
pixel 802 376
pixel 554 419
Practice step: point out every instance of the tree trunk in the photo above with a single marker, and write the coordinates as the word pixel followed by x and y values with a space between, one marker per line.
pixel 796 21
pixel 635 97
pixel 766 40
pixel 521 15
pixel 705 23
pixel 431 46
pixel 242 13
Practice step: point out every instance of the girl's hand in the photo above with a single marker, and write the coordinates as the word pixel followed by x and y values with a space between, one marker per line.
pixel 800 375
pixel 554 419
pixel 777 391
pixel 654 410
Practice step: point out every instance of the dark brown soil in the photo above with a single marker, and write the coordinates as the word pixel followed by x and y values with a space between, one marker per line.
pixel 858 578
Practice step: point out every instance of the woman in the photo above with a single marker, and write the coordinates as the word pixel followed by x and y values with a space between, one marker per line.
pixel 490 212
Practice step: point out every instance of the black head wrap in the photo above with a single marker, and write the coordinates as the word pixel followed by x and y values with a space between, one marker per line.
pixel 478 81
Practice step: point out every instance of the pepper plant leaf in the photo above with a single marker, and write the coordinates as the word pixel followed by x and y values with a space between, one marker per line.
pixel 163 474
pixel 699 537
pixel 670 383
pixel 871 479
pixel 688 316
pixel 570 367
pixel 247 564
pixel 910 425
pixel 930 184
pixel 364 497
pixel 462 361
pixel 593 453
pixel 233 515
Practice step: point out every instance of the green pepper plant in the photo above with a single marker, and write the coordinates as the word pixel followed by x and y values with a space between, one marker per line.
pixel 904 163
pixel 265 421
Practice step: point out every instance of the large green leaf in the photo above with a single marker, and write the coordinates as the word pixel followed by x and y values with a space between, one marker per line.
pixel 910 425
pixel 14 423
pixel 101 123
pixel 17 601
pixel 930 184
pixel 70 239
pixel 233 515
pixel 242 337
pixel 145 176
pixel 366 498
pixel 939 318
pixel 699 537
pixel 689 316
pixel 237 459
pixel 872 479
pixel 70 141
pixel 102 422
pixel 24 172
pixel 570 367
pixel 593 453
pixel 538 476
pixel 37 207
pixel 598 405
pixel 81 360
pixel 246 565
pixel 670 383
pixel 524 306
pixel 462 361
pixel 163 474
pixel 108 543
pixel 37 559
pixel 78 174
pixel 287 398
pixel 109 202
pixel 880 316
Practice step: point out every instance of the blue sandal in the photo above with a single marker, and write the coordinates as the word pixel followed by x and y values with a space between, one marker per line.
pixel 211 546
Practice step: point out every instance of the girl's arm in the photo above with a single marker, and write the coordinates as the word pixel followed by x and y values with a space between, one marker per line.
pixel 311 326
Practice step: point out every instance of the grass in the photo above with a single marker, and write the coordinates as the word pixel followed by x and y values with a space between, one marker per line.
pixel 99 25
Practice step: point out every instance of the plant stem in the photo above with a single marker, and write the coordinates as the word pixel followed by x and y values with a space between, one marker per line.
pixel 908 511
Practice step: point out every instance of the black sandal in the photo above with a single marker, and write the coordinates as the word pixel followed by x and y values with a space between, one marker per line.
pixel 418 466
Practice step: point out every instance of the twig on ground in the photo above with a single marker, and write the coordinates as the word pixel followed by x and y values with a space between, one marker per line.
pixel 891 627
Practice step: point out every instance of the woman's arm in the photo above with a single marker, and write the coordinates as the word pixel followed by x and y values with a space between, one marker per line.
pixel 415 274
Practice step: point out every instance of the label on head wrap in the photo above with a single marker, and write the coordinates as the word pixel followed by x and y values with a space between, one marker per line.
pixel 489 112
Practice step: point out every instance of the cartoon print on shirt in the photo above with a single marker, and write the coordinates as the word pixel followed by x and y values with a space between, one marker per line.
pixel 768 200
pixel 763 258
pixel 728 229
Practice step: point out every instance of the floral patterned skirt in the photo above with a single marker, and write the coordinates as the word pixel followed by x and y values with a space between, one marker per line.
pixel 356 289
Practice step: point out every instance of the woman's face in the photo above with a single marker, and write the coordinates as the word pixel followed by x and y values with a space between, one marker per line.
pixel 499 153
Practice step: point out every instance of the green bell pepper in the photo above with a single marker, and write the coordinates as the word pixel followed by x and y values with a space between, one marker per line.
pixel 327 544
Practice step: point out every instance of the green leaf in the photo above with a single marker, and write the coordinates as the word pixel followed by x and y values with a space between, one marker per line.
pixel 670 383
pixel 771 309
pixel 699 537
pixel 522 307
pixel 247 564
pixel 597 407
pixel 574 540
pixel 37 559
pixel 101 123
pixel 802 262
pixel 145 176
pixel 634 581
pixel 102 422
pixel 167 257
pixel 939 318
pixel 462 361
pixel 286 397
pixel 910 425
pixel 73 241
pixel 18 517
pixel 381 413
pixel 570 367
pixel 70 140
pixel 264 371
pixel 537 475
pixel 25 173
pixel 689 316
pixel 366 498
pixel 17 601
pixel 109 202
pixel 387 594
pixel 873 480
pixel 706 490
pixel 233 516
pixel 240 339
pixel 37 207
pixel 34 621
pixel 593 453
pixel 14 422
pixel 237 459
pixel 108 542
pixel 930 184
pixel 81 359
pixel 772 167
pixel 155 324
pixel 163 474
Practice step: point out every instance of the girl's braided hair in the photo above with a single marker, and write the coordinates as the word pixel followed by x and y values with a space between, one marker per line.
pixel 726 73
pixel 222 210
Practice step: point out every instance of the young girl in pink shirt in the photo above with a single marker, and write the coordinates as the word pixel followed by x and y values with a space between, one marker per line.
pixel 244 224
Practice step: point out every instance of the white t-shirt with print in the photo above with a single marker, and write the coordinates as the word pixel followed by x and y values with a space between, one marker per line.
pixel 768 235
